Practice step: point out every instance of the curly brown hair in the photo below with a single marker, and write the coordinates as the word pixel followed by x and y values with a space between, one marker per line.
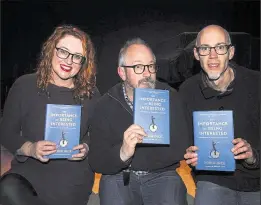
pixel 85 80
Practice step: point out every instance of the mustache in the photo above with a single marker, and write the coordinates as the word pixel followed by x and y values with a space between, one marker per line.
pixel 147 80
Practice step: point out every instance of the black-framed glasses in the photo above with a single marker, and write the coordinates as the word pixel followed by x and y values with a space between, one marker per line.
pixel 64 54
pixel 221 49
pixel 139 68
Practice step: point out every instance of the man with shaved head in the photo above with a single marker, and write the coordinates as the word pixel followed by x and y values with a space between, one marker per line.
pixel 225 86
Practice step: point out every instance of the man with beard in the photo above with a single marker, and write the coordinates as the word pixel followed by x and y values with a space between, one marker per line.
pixel 134 173
pixel 225 86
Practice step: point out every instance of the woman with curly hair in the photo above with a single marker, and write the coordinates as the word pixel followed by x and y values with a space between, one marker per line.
pixel 65 74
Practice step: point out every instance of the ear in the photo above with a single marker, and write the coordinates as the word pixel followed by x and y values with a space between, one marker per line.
pixel 196 54
pixel 231 52
pixel 122 73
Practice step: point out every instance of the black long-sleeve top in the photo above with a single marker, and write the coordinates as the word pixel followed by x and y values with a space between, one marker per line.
pixel 58 181
pixel 113 116
pixel 242 97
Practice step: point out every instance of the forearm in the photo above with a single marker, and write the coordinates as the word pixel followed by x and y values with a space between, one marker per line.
pixel 25 149
pixel 123 156
pixel 11 140
pixel 85 140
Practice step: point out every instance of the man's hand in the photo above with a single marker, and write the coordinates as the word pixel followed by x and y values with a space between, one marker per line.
pixel 39 149
pixel 191 157
pixel 83 151
pixel 133 135
pixel 242 150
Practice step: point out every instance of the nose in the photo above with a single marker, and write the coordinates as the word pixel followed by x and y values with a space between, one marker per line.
pixel 146 72
pixel 213 53
pixel 69 59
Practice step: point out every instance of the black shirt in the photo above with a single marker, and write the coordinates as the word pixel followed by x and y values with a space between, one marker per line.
pixel 242 96
pixel 58 181
pixel 113 116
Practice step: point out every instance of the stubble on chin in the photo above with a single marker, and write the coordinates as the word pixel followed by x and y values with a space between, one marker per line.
pixel 130 87
pixel 212 75
pixel 150 83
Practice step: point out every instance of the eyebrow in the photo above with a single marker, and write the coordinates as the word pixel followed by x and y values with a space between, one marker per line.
pixel 139 62
pixel 70 51
pixel 221 43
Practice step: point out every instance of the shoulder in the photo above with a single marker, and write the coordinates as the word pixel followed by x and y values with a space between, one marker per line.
pixel 25 81
pixel 108 99
pixel 22 87
pixel 190 83
pixel 250 73
pixel 104 99
pixel 96 93
pixel 175 97
pixel 190 87
pixel 165 86
pixel 250 77
pixel 102 106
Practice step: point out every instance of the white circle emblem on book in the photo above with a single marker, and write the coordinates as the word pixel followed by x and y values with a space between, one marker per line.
pixel 153 128
pixel 214 154
pixel 63 143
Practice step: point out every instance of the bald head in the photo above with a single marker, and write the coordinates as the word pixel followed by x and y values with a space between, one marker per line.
pixel 214 51
pixel 213 29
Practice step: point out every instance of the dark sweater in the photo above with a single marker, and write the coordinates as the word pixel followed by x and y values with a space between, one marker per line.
pixel 58 181
pixel 113 116
pixel 243 98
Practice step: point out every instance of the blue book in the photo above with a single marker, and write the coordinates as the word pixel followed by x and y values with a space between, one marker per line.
pixel 213 135
pixel 151 112
pixel 62 126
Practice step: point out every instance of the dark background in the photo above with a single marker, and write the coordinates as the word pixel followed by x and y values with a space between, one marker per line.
pixel 27 24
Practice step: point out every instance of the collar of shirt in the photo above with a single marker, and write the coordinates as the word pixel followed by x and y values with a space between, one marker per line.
pixel 126 97
pixel 209 92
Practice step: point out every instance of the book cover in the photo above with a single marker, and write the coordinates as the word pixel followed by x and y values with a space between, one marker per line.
pixel 151 112
pixel 213 135
pixel 62 126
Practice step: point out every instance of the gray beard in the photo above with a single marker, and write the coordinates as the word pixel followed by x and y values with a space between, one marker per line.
pixel 130 88
pixel 151 83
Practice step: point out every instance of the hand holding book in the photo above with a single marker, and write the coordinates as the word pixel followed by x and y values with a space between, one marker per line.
pixel 191 156
pixel 83 151
pixel 243 150
pixel 131 137
pixel 62 126
pixel 213 135
pixel 38 149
